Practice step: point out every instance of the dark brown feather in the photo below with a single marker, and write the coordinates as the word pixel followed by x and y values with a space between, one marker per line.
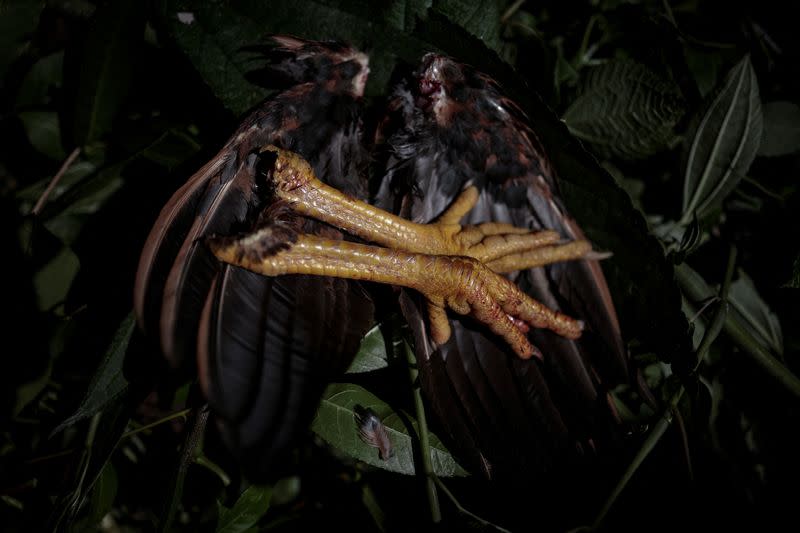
pixel 452 127
pixel 264 346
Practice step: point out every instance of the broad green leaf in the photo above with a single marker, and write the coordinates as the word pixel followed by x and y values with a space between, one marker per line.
pixel 752 309
pixel 43 76
pixel 212 36
pixel 108 383
pixel 42 129
pixel 371 354
pixel 479 18
pixel 53 281
pixel 246 512
pixel 781 129
pixel 724 141
pixel 335 422
pixel 112 45
pixel 625 110
pixel 18 19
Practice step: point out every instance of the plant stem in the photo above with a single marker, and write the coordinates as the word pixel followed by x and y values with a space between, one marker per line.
pixel 666 418
pixel 424 441
pixel 52 185
pixel 461 509
pixel 511 10
pixel 177 414
pixel 190 450
pixel 696 289
pixel 125 435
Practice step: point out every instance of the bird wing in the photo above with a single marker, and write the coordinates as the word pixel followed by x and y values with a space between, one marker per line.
pixel 264 346
pixel 520 414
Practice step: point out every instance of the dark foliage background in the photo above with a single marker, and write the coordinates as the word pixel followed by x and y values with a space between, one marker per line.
pixel 675 129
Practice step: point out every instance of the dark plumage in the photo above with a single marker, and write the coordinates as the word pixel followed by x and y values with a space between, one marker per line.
pixel 448 127
pixel 264 346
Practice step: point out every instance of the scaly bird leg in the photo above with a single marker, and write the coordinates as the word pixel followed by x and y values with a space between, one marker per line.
pixel 502 247
pixel 462 284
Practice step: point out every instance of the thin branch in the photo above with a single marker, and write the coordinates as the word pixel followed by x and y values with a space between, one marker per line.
pixel 767 192
pixel 462 510
pixel 69 451
pixel 177 414
pixel 696 289
pixel 190 451
pixel 424 440
pixel 53 182
pixel 511 10
pixel 712 332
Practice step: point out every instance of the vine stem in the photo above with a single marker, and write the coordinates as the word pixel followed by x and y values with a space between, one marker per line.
pixel 666 418
pixel 127 434
pixel 424 440
pixel 194 439
pixel 53 182
pixel 461 508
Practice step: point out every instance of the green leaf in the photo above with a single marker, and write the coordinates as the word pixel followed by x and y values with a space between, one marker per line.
pixel 752 309
pixel 371 354
pixel 18 19
pixel 246 512
pixel 625 110
pixel 53 281
pixel 108 383
pixel 479 18
pixel 212 36
pixel 42 129
pixel 43 76
pixel 781 129
pixel 335 422
pixel 114 36
pixel 723 142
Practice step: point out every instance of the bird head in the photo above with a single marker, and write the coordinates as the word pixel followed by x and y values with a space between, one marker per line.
pixel 337 66
pixel 437 81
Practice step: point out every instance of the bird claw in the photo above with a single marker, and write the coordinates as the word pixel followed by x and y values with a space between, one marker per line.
pixel 502 247
pixel 458 267
pixel 468 287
